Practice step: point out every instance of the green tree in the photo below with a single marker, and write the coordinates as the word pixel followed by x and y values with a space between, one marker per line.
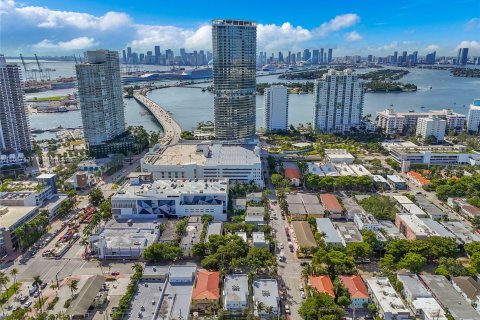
pixel 95 196
pixel 318 306
pixel 359 250
pixel 382 207
pixel 159 252
pixel 37 281
pixel 73 286
pixel 413 262
pixel 14 273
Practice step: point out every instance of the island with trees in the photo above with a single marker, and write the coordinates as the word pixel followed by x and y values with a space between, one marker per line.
pixel 465 72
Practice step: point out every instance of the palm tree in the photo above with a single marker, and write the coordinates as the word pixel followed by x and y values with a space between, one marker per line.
pixel 4 280
pixel 137 267
pixel 14 273
pixel 85 242
pixel 37 281
pixel 73 286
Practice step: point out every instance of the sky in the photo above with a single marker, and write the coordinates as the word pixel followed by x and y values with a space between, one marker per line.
pixel 350 27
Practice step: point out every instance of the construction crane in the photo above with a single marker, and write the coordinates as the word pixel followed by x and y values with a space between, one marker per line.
pixel 42 76
pixel 28 73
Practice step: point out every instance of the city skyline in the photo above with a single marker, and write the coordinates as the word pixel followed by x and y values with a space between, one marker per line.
pixel 48 27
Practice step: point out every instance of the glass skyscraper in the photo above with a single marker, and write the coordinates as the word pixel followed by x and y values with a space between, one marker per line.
pixel 234 78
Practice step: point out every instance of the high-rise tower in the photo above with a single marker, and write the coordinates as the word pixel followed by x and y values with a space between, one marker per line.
pixel 14 126
pixel 100 93
pixel 234 78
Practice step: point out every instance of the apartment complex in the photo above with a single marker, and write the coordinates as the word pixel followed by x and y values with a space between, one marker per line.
pixel 473 120
pixel 432 126
pixel 437 155
pixel 236 162
pixel 276 108
pixel 234 78
pixel 338 101
pixel 393 122
pixel 100 94
pixel 14 126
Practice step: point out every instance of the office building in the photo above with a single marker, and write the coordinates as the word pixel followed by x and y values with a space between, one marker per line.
pixel 306 55
pixel 315 56
pixel 338 105
pixel 234 78
pixel 14 126
pixel 413 227
pixel 431 127
pixel 171 199
pixel 436 155
pixel 276 108
pixel 240 163
pixel 321 58
pixel 100 94
pixel 430 58
pixel 462 56
pixel 330 55
pixel 473 119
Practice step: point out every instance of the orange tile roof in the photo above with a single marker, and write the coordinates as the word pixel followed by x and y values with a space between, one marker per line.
pixel 292 173
pixel 421 179
pixel 355 286
pixel 207 286
pixel 322 284
pixel 330 202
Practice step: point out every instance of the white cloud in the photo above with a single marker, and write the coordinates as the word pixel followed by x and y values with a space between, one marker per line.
pixel 353 36
pixel 49 28
pixel 74 44
pixel 339 22
pixel 472 24
pixel 431 47
pixel 473 46
pixel 46 18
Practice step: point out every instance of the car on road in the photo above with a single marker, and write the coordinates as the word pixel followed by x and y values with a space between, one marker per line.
pixel 303 295
pixel 115 273
pixel 43 285
pixel 27 304
pixel 287 309
pixel 36 294
pixel 281 245
pixel 23 299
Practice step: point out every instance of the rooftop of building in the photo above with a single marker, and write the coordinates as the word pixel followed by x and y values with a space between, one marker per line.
pixel 266 291
pixel 449 298
pixel 461 231
pixel 207 285
pixel 402 199
pixel 182 271
pixel 292 173
pixel 395 178
pixel 207 154
pixel 214 228
pixel 429 149
pixel 366 218
pixel 330 235
pixel 348 231
pixel 305 237
pixel 356 287
pixel 420 178
pixel 236 287
pixel 468 285
pixel 379 178
pixel 338 153
pixel 172 187
pixel 392 112
pixel 412 283
pixel 386 296
pixel 130 237
pixel 9 216
pixel 255 211
pixel 331 202
pixel 430 307
pixel 322 284
pixel 258 237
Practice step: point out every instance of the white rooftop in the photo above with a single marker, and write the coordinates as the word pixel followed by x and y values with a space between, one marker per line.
pixel 386 296
pixel 395 178
pixel 403 199
pixel 173 187
pixel 266 291
pixel 430 307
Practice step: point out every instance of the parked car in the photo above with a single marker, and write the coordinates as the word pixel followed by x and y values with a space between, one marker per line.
pixel 27 304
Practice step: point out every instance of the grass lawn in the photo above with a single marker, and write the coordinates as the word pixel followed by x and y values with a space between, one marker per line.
pixel 5 296
pixel 53 98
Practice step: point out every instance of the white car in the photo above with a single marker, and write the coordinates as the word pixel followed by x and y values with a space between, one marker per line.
pixel 281 245
pixel 27 304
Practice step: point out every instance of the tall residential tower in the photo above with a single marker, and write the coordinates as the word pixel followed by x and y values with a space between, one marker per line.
pixel 14 126
pixel 234 78
pixel 100 92
pixel 338 103
pixel 276 108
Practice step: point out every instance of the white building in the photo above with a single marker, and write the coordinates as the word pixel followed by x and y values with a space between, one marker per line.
pixel 436 155
pixel 389 304
pixel 206 160
pixel 276 108
pixel 265 291
pixel 14 126
pixel 366 221
pixel 235 292
pixel 473 120
pixel 338 101
pixel 393 122
pixel 259 241
pixel 100 94
pixel 339 156
pixel 171 198
pixel 431 126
